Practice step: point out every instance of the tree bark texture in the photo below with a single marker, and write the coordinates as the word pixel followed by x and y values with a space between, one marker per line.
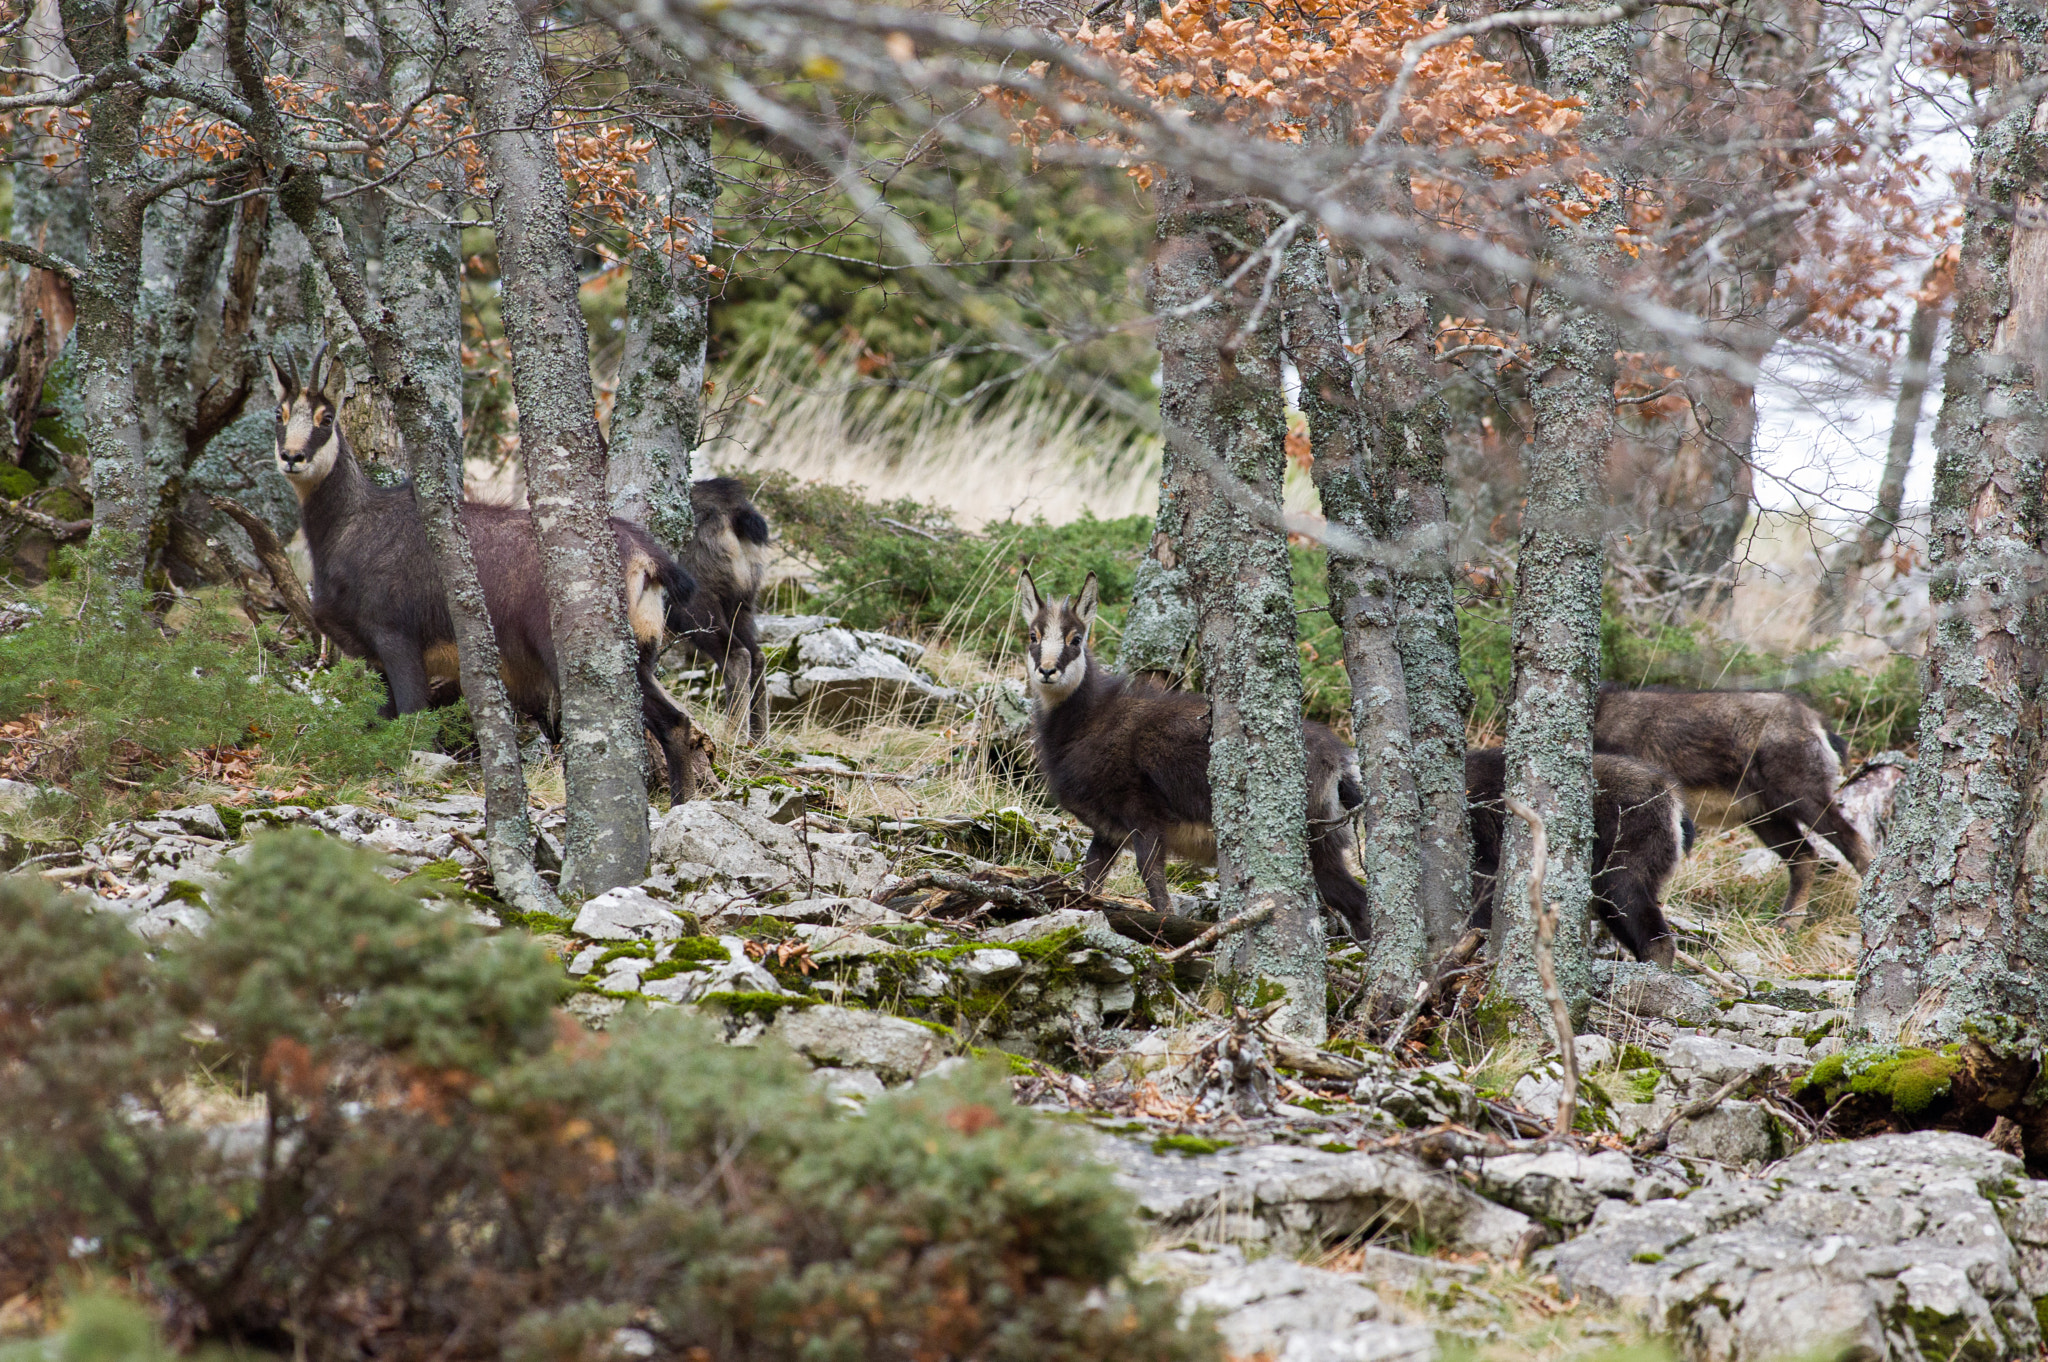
pixel 1159 633
pixel 1843 568
pixel 603 755
pixel 117 445
pixel 1951 929
pixel 1555 635
pixel 1400 395
pixel 659 411
pixel 422 291
pixel 1220 404
pixel 1365 603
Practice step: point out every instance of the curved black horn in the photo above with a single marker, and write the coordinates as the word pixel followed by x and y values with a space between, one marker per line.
pixel 313 373
pixel 289 364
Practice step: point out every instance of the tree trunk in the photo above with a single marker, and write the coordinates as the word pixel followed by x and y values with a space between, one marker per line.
pixel 603 754
pixel 1951 932
pixel 422 292
pixel 1556 623
pixel 1226 447
pixel 1842 569
pixel 123 493
pixel 1396 383
pixel 1365 603
pixel 1159 633
pixel 660 406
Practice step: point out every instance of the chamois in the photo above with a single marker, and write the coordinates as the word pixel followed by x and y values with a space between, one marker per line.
pixel 1131 760
pixel 1761 759
pixel 727 556
pixel 377 590
pixel 1640 832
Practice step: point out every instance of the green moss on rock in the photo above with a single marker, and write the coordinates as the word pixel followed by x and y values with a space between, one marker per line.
pixel 1910 1081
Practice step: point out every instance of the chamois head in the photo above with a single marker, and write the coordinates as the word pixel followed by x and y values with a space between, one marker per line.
pixel 1056 638
pixel 308 440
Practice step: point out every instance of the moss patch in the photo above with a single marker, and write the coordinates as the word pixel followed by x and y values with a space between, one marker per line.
pixel 762 1005
pixel 1189 1146
pixel 1908 1081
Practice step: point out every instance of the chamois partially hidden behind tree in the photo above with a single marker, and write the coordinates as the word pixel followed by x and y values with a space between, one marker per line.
pixel 1131 760
pixel 1640 832
pixel 1761 759
pixel 727 556
pixel 377 591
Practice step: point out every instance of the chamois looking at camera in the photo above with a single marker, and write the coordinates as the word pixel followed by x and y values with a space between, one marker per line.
pixel 1640 833
pixel 1131 760
pixel 727 557
pixel 1757 758
pixel 377 590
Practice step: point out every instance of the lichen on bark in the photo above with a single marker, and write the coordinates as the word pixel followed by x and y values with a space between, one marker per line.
pixel 1952 923
pixel 1220 404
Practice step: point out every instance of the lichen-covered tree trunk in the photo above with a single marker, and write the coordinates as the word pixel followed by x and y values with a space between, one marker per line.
pixel 1159 633
pixel 1365 604
pixel 1555 632
pixel 421 286
pixel 117 445
pixel 1953 930
pixel 1226 449
pixel 1389 321
pixel 563 453
pixel 660 406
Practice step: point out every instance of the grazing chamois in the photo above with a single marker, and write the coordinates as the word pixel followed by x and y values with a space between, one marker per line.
pixel 1640 831
pixel 377 590
pixel 727 556
pixel 1757 758
pixel 1131 760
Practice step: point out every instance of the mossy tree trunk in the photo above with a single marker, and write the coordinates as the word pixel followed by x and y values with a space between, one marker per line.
pixel 659 413
pixel 1159 633
pixel 1220 405
pixel 1952 931
pixel 1388 319
pixel 1555 632
pixel 564 456
pixel 1365 602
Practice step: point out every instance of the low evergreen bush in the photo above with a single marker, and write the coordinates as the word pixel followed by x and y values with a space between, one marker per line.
pixel 345 1123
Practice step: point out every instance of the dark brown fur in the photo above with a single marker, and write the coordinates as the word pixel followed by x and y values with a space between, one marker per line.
pixel 1640 832
pixel 725 558
pixel 377 590
pixel 1131 761
pixel 1762 759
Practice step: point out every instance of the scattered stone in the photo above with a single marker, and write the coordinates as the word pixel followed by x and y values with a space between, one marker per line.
pixel 628 914
pixel 430 768
pixel 16 795
pixel 1284 1198
pixel 1922 1246
pixel 829 944
pixel 764 857
pixel 1280 1309
pixel 848 1087
pixel 993 966
pixel 895 1049
pixel 1561 1186
pixel 201 820
pixel 842 675
pixel 1649 991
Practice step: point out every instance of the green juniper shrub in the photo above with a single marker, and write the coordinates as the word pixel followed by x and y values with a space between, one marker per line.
pixel 128 699
pixel 431 1159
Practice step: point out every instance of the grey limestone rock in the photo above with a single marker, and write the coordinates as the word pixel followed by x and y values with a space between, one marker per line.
pixel 745 848
pixel 1562 1186
pixel 1924 1246
pixel 1650 991
pixel 896 1050
pixel 627 913
pixel 1280 1309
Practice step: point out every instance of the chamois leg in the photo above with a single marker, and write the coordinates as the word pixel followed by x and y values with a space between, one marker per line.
pixel 1340 891
pixel 405 672
pixel 670 726
pixel 1102 852
pixel 746 689
pixel 758 693
pixel 1151 853
pixel 1782 834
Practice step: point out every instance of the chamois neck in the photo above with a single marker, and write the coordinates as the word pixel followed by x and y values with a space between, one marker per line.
pixel 1094 683
pixel 345 489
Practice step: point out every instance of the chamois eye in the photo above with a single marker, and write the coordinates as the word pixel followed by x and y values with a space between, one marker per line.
pixel 1034 636
pixel 1075 640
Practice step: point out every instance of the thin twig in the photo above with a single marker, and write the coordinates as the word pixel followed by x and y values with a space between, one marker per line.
pixel 1546 965
pixel 63 531
pixel 1453 965
pixel 1656 1139
pixel 1732 984
pixel 272 555
pixel 1242 922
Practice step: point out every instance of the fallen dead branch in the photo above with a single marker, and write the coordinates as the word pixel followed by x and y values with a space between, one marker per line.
pixel 1241 923
pixel 1546 964
pixel 271 554
pixel 1656 1139
pixel 1720 980
pixel 1007 895
pixel 63 531
pixel 1455 965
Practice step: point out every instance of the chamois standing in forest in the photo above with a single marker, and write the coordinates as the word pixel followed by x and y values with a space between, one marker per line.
pixel 1131 760
pixel 727 557
pixel 1762 759
pixel 1640 832
pixel 377 590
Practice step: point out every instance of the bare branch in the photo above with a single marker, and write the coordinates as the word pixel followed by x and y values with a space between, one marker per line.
pixel 42 260
pixel 1546 966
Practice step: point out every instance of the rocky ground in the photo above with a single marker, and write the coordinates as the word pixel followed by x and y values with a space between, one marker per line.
pixel 1327 1203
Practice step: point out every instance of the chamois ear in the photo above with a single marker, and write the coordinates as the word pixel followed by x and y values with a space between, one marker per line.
pixel 1028 599
pixel 278 385
pixel 1090 597
pixel 334 385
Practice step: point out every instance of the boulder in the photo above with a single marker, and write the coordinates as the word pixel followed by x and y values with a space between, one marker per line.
pixel 747 849
pixel 1923 1246
pixel 847 675
pixel 16 796
pixel 1649 991
pixel 1280 1309
pixel 430 768
pixel 628 914
pixel 1284 1197
pixel 894 1049
pixel 1561 1186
